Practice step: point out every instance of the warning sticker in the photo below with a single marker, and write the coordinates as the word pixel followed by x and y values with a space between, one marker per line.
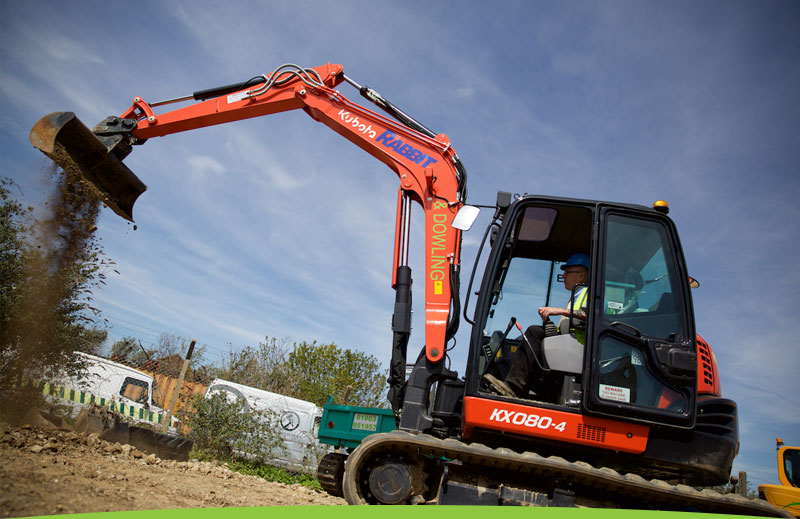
pixel 238 96
pixel 365 422
pixel 618 394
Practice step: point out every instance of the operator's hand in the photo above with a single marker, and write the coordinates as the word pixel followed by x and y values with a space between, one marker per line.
pixel 546 311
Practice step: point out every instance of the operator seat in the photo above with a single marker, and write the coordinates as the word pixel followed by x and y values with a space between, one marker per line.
pixel 563 352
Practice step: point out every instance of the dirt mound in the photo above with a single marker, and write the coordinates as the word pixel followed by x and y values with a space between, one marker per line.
pixel 48 471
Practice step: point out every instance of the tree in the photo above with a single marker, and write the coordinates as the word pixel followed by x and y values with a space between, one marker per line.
pixel 14 225
pixel 263 367
pixel 49 268
pixel 124 349
pixel 308 371
pixel 169 345
pixel 323 370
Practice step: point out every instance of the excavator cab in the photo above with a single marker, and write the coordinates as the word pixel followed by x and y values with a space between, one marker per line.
pixel 638 357
pixel 633 363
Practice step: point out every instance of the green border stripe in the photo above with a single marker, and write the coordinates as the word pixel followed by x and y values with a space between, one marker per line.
pixel 400 512
pixel 86 398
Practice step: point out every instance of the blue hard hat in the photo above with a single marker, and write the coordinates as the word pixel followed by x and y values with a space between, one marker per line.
pixel 577 259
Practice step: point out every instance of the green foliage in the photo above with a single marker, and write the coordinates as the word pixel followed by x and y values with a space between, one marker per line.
pixel 229 430
pixel 14 225
pixel 124 349
pixel 308 371
pixel 270 473
pixel 321 370
pixel 48 268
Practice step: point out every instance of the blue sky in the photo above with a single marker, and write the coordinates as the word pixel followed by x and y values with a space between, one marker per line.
pixel 279 227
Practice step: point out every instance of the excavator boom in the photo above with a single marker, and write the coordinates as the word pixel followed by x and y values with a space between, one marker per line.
pixel 426 164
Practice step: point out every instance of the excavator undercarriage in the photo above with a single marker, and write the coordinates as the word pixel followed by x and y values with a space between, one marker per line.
pixel 404 468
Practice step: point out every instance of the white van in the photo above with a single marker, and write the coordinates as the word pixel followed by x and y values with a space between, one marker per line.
pixel 121 388
pixel 297 421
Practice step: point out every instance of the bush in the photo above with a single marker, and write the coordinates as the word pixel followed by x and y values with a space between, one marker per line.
pixel 229 430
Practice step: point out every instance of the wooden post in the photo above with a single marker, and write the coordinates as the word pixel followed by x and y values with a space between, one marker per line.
pixel 177 391
pixel 742 488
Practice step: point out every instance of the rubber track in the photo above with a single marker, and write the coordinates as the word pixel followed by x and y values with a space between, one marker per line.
pixel 330 473
pixel 632 485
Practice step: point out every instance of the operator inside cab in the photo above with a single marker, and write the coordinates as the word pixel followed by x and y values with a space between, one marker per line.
pixel 527 377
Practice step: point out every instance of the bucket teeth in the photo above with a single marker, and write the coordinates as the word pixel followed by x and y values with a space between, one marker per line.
pixel 70 144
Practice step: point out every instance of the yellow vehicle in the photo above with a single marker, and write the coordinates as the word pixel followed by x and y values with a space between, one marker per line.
pixel 785 496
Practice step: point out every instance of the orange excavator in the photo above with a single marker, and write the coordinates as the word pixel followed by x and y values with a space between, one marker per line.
pixel 633 414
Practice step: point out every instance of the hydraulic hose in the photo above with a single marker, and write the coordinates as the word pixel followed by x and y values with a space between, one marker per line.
pixel 455 302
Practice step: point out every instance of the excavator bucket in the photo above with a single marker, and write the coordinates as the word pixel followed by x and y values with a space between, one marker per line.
pixel 70 144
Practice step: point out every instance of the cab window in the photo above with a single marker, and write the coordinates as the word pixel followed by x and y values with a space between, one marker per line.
pixel 640 279
pixel 624 377
pixel 641 300
pixel 519 291
pixel 791 466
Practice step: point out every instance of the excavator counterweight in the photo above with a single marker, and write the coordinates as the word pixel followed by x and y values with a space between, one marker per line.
pixel 70 144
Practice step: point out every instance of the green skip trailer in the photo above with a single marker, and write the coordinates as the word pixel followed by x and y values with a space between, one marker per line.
pixel 344 427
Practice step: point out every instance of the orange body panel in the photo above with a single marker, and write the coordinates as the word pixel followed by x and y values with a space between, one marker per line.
pixel 553 425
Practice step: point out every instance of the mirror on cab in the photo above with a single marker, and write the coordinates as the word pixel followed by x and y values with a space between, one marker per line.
pixel 466 217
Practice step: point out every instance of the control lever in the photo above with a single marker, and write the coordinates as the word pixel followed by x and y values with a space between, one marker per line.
pixel 530 346
pixel 493 353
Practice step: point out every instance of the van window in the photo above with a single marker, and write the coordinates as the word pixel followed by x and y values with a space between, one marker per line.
pixel 134 389
pixel 156 394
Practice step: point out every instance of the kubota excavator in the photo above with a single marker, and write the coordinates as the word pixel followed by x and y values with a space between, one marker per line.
pixel 641 395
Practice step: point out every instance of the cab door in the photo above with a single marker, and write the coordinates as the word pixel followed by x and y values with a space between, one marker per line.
pixel 641 362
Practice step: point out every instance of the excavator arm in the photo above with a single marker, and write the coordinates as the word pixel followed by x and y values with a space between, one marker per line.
pixel 428 168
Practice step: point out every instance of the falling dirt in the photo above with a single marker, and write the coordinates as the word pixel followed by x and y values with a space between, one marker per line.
pixel 53 305
pixel 48 471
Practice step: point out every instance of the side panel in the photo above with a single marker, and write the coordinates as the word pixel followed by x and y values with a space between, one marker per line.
pixel 347 426
pixel 555 425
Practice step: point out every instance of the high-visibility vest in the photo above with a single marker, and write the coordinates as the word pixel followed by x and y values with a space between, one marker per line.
pixel 580 301
pixel 577 305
